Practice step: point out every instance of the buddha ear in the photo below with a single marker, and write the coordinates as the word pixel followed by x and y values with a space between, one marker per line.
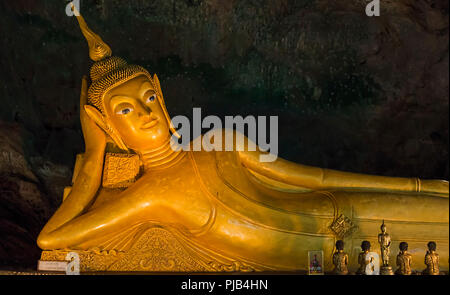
pixel 157 84
pixel 95 116
pixel 163 106
pixel 99 119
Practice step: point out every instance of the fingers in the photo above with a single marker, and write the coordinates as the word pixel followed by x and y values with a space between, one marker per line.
pixel 83 95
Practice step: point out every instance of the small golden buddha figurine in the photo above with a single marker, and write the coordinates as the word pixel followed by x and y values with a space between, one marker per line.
pixel 385 243
pixel 340 259
pixel 362 259
pixel 404 260
pixel 431 260
pixel 137 204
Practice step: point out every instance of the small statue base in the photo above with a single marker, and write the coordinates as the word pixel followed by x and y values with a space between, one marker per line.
pixel 386 271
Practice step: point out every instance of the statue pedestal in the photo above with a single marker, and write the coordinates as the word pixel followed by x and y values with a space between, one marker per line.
pixel 386 271
pixel 152 249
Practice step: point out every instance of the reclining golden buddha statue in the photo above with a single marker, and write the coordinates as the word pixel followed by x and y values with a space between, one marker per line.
pixel 137 204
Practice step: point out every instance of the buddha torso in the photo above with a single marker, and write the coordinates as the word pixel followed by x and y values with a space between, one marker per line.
pixel 340 260
pixel 362 263
pixel 432 263
pixel 404 263
pixel 215 201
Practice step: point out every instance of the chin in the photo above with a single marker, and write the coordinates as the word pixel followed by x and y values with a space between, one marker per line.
pixel 155 139
pixel 148 139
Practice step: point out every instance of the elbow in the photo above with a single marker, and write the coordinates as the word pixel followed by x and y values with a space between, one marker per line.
pixel 46 242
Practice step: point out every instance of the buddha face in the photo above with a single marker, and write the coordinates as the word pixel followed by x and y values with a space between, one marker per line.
pixel 133 109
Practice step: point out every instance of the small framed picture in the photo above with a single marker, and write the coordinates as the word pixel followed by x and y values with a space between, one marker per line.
pixel 315 262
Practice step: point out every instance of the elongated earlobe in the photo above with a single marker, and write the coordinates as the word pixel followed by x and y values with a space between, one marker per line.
pixel 99 119
pixel 95 116
pixel 163 106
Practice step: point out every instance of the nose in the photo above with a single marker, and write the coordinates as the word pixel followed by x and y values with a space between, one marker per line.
pixel 143 111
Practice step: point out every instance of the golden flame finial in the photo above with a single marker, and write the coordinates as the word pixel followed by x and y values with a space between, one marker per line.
pixel 98 49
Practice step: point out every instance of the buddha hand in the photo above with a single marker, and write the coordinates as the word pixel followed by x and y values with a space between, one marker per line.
pixel 94 136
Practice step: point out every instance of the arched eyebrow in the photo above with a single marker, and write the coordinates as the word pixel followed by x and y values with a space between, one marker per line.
pixel 146 86
pixel 117 99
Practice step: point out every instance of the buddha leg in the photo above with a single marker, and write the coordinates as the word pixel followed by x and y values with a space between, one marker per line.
pixel 318 178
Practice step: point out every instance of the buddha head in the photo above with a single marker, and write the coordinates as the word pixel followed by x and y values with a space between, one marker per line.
pixel 431 246
pixel 340 245
pixel 365 246
pixel 403 247
pixel 125 100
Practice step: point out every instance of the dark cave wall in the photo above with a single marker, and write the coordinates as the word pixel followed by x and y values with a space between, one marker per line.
pixel 354 93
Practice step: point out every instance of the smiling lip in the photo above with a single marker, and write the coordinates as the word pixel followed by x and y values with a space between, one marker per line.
pixel 149 124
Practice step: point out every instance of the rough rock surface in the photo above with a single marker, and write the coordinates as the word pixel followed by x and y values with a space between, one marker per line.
pixel 353 93
pixel 24 204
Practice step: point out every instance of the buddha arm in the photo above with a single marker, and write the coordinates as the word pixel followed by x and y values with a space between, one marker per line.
pixel 318 178
pixel 84 189
pixel 335 260
pixel 361 260
pixel 88 179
